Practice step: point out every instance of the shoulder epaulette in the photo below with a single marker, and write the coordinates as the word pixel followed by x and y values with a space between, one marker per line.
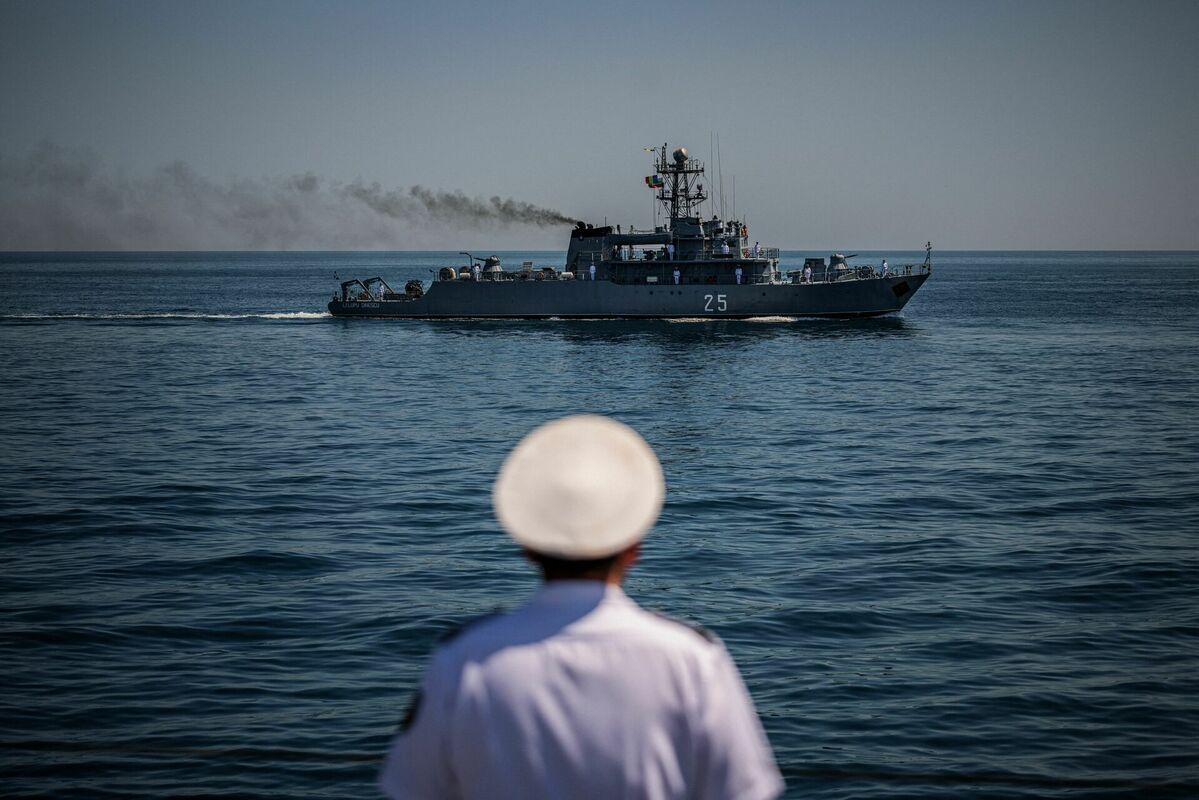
pixel 411 712
pixel 696 628
pixel 454 633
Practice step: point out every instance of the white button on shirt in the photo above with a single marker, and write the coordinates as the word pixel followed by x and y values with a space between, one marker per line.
pixel 580 694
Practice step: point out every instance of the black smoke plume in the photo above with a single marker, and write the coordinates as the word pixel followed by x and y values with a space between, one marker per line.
pixel 55 198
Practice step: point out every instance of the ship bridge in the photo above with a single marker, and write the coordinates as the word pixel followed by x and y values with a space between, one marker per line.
pixel 702 250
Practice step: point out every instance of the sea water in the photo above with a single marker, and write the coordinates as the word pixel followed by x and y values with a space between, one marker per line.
pixel 953 551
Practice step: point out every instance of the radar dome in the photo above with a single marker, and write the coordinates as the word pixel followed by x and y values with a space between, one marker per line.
pixel 680 155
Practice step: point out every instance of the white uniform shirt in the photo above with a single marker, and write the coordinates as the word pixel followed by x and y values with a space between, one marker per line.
pixel 581 694
pixel 593 272
pixel 739 274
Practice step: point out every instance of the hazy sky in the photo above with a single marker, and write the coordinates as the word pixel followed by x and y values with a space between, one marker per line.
pixel 862 125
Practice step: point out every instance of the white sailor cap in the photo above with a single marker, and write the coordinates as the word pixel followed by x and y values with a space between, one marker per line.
pixel 580 487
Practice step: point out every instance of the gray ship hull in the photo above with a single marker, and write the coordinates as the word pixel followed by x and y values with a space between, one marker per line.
pixel 582 299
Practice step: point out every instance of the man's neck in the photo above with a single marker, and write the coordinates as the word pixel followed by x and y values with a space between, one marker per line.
pixel 613 578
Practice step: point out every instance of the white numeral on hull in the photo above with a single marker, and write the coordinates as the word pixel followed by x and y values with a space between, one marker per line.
pixel 721 302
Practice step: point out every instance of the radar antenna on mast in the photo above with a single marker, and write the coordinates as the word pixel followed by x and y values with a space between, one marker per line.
pixel 681 191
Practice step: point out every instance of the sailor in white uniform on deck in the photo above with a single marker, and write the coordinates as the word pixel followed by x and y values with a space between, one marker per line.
pixel 739 275
pixel 593 270
pixel 677 275
pixel 579 693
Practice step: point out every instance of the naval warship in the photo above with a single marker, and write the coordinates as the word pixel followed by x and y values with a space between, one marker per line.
pixel 690 266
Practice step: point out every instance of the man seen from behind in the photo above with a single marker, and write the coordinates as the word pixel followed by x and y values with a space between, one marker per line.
pixel 579 693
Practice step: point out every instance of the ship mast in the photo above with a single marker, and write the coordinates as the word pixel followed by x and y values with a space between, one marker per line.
pixel 681 191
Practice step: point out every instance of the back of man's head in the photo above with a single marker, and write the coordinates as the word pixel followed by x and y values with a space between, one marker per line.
pixel 578 492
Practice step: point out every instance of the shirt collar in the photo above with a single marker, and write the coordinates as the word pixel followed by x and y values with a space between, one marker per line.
pixel 577 592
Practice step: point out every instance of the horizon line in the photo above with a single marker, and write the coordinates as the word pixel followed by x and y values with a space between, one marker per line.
pixel 563 250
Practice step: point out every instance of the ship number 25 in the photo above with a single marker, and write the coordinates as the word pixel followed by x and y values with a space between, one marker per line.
pixel 721 302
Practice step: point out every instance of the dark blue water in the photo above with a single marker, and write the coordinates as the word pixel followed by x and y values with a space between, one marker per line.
pixel 953 552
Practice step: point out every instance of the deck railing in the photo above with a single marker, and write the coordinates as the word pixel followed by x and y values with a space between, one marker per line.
pixel 861 272
pixel 665 277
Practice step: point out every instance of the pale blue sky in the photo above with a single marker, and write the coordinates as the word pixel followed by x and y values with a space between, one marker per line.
pixel 1006 125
